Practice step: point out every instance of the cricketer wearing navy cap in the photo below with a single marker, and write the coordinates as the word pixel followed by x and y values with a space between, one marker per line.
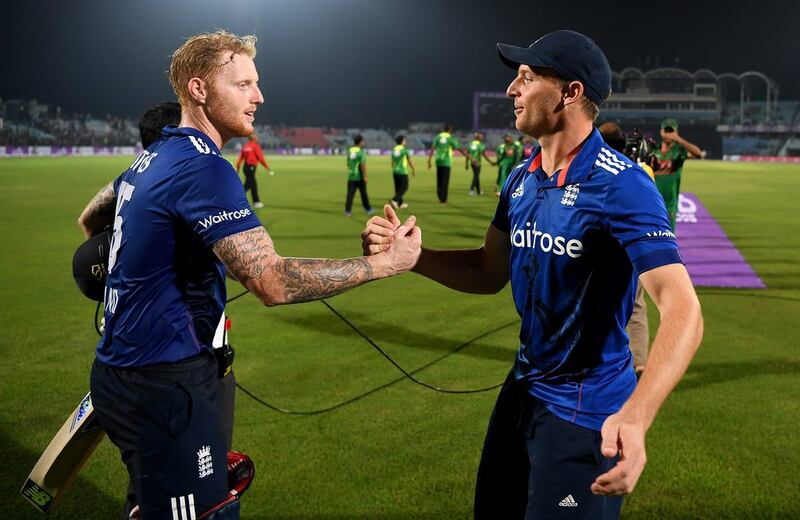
pixel 572 55
pixel 575 225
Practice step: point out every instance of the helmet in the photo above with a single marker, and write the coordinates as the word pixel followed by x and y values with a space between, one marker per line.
pixel 90 265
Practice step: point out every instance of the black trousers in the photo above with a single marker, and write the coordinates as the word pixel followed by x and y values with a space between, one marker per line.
pixel 537 465
pixel 227 403
pixel 361 186
pixel 166 422
pixel 476 179
pixel 400 187
pixel 442 182
pixel 250 181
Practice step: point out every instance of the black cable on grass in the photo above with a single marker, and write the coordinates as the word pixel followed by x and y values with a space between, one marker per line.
pixel 237 296
pixel 406 374
pixel 381 387
pixel 401 369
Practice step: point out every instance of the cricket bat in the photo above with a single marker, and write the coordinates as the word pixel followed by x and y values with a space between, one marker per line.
pixel 65 455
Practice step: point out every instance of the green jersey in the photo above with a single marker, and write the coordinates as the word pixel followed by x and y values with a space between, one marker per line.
pixel 443 145
pixel 476 150
pixel 400 160
pixel 507 155
pixel 355 157
pixel 668 176
pixel 517 151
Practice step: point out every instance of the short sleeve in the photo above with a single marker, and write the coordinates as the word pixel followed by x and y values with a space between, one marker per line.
pixel 208 196
pixel 637 218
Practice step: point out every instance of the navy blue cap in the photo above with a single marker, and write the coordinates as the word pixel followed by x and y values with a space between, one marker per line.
pixel 572 55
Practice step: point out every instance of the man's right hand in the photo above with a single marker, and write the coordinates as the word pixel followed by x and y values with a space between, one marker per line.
pixel 379 232
pixel 399 244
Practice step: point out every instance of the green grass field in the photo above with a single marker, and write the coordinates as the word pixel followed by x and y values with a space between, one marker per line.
pixel 725 444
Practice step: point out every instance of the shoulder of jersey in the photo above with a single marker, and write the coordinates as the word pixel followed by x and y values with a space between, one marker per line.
pixel 612 162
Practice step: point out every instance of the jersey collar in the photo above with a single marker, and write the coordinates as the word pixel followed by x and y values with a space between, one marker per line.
pixel 579 166
pixel 185 131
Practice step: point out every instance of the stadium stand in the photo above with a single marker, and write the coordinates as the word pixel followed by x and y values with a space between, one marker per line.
pixel 725 114
pixel 304 137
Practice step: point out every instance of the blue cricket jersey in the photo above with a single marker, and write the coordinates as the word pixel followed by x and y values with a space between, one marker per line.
pixel 579 240
pixel 165 290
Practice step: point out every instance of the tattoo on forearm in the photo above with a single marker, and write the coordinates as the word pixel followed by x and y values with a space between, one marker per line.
pixel 100 210
pixel 247 255
pixel 306 279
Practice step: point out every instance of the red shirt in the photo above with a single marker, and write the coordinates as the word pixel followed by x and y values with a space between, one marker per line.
pixel 251 154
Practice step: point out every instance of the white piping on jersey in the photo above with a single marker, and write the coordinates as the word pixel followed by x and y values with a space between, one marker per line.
pixel 614 159
pixel 609 162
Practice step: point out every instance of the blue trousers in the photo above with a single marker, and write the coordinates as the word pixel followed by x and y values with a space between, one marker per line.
pixel 536 465
pixel 166 422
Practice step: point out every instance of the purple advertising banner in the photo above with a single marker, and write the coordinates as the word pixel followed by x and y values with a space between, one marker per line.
pixel 711 258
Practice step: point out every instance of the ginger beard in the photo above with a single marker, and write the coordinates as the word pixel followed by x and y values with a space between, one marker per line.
pixel 227 106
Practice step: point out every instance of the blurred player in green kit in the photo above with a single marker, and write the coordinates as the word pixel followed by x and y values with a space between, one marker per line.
pixel 357 176
pixel 443 145
pixel 509 153
pixel 475 151
pixel 670 156
pixel 401 162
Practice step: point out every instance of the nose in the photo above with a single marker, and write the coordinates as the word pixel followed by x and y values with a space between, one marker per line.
pixel 259 99
pixel 513 90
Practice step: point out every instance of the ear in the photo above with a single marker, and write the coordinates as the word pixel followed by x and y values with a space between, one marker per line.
pixel 198 90
pixel 572 92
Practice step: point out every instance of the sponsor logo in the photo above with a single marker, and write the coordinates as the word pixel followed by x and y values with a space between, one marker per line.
pixel 224 216
pixel 520 191
pixel 37 495
pixel 99 271
pixel 205 466
pixel 83 409
pixel 545 242
pixel 568 502
pixel 570 195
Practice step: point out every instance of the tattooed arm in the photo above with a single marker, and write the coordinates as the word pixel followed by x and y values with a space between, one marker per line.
pixel 250 256
pixel 99 213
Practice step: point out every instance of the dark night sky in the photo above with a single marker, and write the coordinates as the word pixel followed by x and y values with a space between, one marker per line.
pixel 368 62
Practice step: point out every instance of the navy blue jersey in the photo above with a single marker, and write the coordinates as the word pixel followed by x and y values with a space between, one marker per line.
pixel 166 288
pixel 579 239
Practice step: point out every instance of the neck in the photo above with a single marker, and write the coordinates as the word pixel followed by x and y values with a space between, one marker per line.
pixel 557 147
pixel 196 118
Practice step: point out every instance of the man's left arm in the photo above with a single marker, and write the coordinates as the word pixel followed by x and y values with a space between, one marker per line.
pixel 99 213
pixel 674 347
